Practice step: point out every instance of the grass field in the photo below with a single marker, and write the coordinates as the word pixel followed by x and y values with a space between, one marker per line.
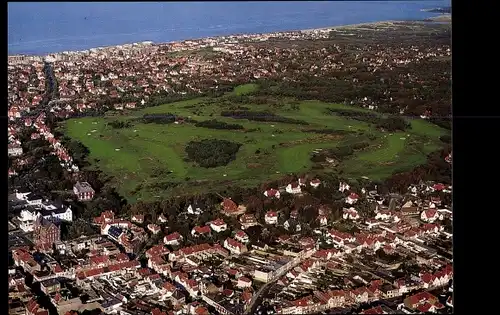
pixel 135 156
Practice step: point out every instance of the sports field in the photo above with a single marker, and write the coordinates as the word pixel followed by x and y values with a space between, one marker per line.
pixel 148 160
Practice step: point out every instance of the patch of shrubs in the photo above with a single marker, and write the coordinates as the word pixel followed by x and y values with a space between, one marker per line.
pixel 166 118
pixel 214 124
pixel 212 152
pixel 391 123
pixel 117 124
pixel 261 116
pixel 344 151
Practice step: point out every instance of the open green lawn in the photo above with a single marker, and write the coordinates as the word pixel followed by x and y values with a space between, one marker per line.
pixel 245 89
pixel 142 155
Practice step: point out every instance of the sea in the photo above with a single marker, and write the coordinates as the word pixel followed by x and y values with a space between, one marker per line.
pixel 41 28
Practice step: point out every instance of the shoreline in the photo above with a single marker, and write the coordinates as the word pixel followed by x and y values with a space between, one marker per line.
pixel 441 18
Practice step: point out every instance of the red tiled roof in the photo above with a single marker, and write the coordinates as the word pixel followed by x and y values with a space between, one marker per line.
pixel 245 279
pixel 157 311
pixel 424 308
pixel 439 186
pixel 157 250
pixel 138 217
pixel 374 310
pixel 58 269
pixel 227 292
pixel 353 196
pixel 229 205
pixel 294 184
pixel 94 272
pixel 241 234
pixel 271 192
pixel 99 260
pixel 234 243
pixel 169 287
pixel 202 229
pixel 201 310
pixel 173 236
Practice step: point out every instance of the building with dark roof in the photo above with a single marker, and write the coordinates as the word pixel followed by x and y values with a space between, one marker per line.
pixel 83 191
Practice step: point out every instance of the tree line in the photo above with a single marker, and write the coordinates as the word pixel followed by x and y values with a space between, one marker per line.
pixel 215 124
pixel 261 116
pixel 391 123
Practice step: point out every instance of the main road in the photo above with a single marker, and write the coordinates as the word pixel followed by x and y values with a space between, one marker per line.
pixel 251 307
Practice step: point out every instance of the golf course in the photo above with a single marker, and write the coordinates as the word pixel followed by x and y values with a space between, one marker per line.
pixel 148 159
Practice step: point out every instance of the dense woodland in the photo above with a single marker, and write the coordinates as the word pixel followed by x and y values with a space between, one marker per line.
pixel 212 152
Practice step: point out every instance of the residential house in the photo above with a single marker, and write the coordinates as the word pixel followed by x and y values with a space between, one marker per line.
pixel 154 228
pixel 315 183
pixel 50 286
pixel 343 187
pixel 293 188
pixel 430 215
pixel 218 225
pixel 323 220
pixel 138 218
pixel 157 250
pixel 352 198
pixel 83 191
pixel 234 246
pixel 350 213
pixel 194 209
pixel 15 150
pixel 230 208
pixel 162 218
pixel 242 237
pixel 200 231
pixel 272 193
pixel 33 308
pixel 383 215
pixel 45 233
pixel 410 211
pixel 173 239
pixel 271 217
pixel 248 220
pixel 244 282
pixel 389 291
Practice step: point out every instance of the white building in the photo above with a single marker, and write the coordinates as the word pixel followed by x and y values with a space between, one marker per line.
pixel 343 187
pixel 15 150
pixel 218 225
pixel 27 217
pixel 293 188
pixel 271 217
pixel 234 246
pixel 352 198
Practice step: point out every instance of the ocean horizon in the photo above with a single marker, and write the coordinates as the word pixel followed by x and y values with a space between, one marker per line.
pixel 41 28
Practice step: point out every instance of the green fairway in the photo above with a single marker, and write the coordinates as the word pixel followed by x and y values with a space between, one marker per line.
pixel 245 89
pixel 148 160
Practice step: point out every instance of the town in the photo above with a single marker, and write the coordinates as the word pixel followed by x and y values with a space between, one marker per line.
pixel 128 76
pixel 397 260
pixel 308 243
